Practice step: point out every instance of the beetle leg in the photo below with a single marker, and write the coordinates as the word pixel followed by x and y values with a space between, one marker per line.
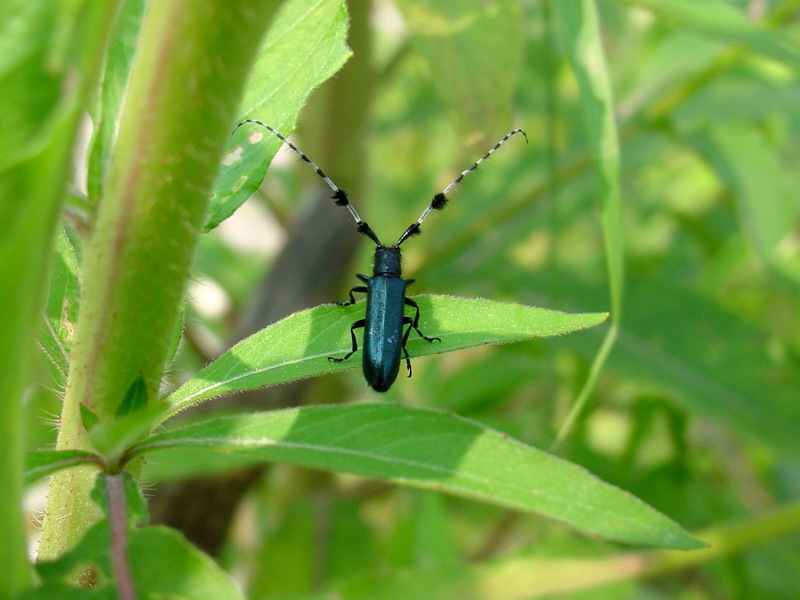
pixel 353 327
pixel 410 323
pixel 415 322
pixel 359 288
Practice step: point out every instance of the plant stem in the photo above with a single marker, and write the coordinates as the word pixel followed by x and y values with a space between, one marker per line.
pixel 118 524
pixel 185 83
pixel 727 540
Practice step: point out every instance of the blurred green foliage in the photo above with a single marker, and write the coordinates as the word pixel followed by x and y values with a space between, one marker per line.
pixel 696 410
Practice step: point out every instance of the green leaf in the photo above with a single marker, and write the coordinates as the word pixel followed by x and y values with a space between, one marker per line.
pixel 279 84
pixel 48 59
pixel 712 361
pixel 135 398
pixel 114 82
pixel 88 418
pixel 41 463
pixel 725 22
pixel 163 563
pixel 582 39
pixel 113 437
pixel 434 450
pixel 64 591
pixel 299 345
pixel 61 308
pixel 460 39
pixel 581 34
pixel 90 553
pixel 765 197
pixel 166 565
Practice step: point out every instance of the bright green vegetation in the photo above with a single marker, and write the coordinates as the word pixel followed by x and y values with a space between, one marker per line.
pixel 612 409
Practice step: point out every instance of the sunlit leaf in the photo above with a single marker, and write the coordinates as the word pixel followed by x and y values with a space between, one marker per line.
pixel 299 345
pixel 435 450
pixel 304 47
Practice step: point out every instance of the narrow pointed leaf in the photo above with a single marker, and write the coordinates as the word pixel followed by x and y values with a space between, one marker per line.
pixel 434 450
pixel 61 307
pixel 88 418
pixel 581 35
pixel 114 80
pixel 725 22
pixel 766 197
pixel 41 463
pixel 304 47
pixel 135 398
pixel 113 437
pixel 299 345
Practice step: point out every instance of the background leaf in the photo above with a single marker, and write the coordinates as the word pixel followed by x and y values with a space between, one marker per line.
pixel 582 38
pixel 134 399
pixel 733 384
pixel 108 104
pixel 766 201
pixel 280 82
pixel 727 23
pixel 61 309
pixel 437 451
pixel 163 563
pixel 455 40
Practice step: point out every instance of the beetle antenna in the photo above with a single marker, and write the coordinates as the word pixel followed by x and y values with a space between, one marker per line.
pixel 440 200
pixel 339 195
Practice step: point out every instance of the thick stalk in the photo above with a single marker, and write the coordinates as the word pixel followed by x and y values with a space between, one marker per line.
pixel 185 85
pixel 308 271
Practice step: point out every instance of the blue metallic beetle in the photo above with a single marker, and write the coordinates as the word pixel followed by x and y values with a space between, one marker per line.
pixel 385 318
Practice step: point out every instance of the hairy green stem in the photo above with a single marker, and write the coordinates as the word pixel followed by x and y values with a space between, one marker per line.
pixel 185 83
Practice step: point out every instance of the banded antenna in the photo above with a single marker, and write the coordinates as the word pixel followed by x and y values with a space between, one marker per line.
pixel 339 195
pixel 438 202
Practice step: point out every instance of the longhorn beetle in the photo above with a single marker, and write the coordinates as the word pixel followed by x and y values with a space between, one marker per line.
pixel 385 317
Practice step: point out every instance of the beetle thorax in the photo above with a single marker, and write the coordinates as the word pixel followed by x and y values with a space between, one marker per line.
pixel 387 261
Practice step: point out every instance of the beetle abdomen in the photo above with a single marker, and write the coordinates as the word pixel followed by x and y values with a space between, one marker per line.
pixel 383 330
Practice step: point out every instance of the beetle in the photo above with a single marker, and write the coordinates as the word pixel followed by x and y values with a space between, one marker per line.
pixel 384 336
